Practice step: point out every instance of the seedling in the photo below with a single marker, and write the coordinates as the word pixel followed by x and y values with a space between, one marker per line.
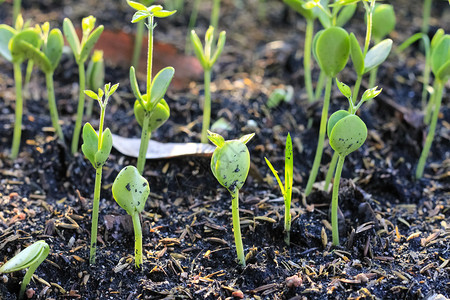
pixel 150 109
pixel 131 190
pixel 96 147
pixel 286 190
pixel 207 61
pixel 347 132
pixel 440 65
pixel 95 76
pixel 46 59
pixel 81 51
pixel 230 164
pixel 331 50
pixel 139 36
pixel 30 257
pixel 279 95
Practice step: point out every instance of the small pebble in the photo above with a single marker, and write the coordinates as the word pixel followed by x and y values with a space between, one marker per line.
pixel 238 294
pixel 294 281
pixel 30 293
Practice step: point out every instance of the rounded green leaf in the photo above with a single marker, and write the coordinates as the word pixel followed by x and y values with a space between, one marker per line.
pixel 23 43
pixel 136 5
pixel 347 134
pixel 314 43
pixel 383 21
pixel 72 38
pixel 38 251
pixel 87 47
pixel 356 55
pixel 440 56
pixel 130 190
pixel 158 117
pixel 159 86
pixel 377 55
pixel 6 34
pixel 437 37
pixel 54 47
pixel 345 14
pixel 332 50
pixel 105 149
pixel 90 143
pixel 334 118
pixel 230 164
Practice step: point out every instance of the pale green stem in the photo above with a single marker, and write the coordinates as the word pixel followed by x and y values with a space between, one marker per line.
pixel 431 104
pixel 215 13
pixel 16 10
pixel 369 12
pixel 192 21
pixel 426 15
pixel 30 66
pixel 145 138
pixel 319 85
pixel 80 108
pixel 287 219
pixel 307 58
pixel 138 44
pixel 373 77
pixel 95 209
pixel 28 275
pixel 431 131
pixel 426 81
pixel 334 201
pixel 237 227
pixel 19 111
pixel 321 140
pixel 356 89
pixel 330 171
pixel 149 55
pixel 52 105
pixel 206 107
pixel 138 260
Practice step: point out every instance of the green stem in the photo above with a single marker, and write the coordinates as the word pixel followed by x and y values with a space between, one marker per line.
pixel 319 85
pixel 287 219
pixel 237 227
pixel 431 103
pixel 431 131
pixel 320 142
pixel 52 105
pixel 215 13
pixel 206 107
pixel 426 81
pixel 80 108
pixel 95 209
pixel 138 44
pixel 16 10
pixel 369 13
pixel 426 15
pixel 19 111
pixel 334 201
pixel 373 77
pixel 30 66
pixel 192 21
pixel 330 171
pixel 149 55
pixel 145 138
pixel 137 239
pixel 307 58
pixel 28 275
pixel 356 89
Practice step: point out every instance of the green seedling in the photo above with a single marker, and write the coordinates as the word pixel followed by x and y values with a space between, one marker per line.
pixel 230 164
pixel 81 51
pixel 331 50
pixel 286 190
pixel 279 95
pixel 150 109
pixel 131 190
pixel 30 257
pixel 47 59
pixel 139 36
pixel 96 148
pixel 95 76
pixel 207 59
pixel 440 66
pixel 347 132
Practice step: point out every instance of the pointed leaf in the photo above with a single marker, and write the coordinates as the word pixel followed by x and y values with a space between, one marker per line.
pixel 135 86
pixel 72 38
pixel 348 134
pixel 140 15
pixel 246 138
pixel 90 143
pixel 163 13
pixel 216 139
pixel 6 34
pixel 275 173
pixel 198 50
pixel 345 89
pixel 345 14
pixel 370 94
pixel 440 55
pixel 54 47
pixel 356 55
pixel 159 86
pixel 219 49
pixel 136 5
pixel 105 149
pixel 91 94
pixel 32 254
pixel 288 165
pixel 377 55
pixel 90 43
pixel 113 89
pixel 332 50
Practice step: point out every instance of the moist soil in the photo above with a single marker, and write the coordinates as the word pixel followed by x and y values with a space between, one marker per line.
pixel 394 229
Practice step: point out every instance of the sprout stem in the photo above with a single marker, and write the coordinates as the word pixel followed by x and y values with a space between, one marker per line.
pixel 307 58
pixel 29 274
pixel 430 104
pixel 426 16
pixel 319 85
pixel 95 209
pixel 334 201
pixel 137 240
pixel 330 171
pixel 145 138
pixel 215 13
pixel 373 77
pixel 287 216
pixel 19 111
pixel 192 21
pixel 206 107
pixel 80 108
pixel 237 227
pixel 431 131
pixel 138 44
pixel 52 105
pixel 149 55
pixel 320 142
pixel 16 10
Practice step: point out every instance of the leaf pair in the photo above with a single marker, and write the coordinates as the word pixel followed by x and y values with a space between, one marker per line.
pixel 97 154
pixel 347 92
pixel 81 50
pixel 374 57
pixel 204 55
pixel 144 12
pixel 35 253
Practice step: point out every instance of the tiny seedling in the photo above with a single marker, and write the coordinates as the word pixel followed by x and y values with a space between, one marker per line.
pixel 207 60
pixel 230 164
pixel 138 37
pixel 95 76
pixel 131 190
pixel 331 50
pixel 279 95
pixel 30 257
pixel 440 66
pixel 150 109
pixel 96 147
pixel 347 132
pixel 286 190
pixel 81 51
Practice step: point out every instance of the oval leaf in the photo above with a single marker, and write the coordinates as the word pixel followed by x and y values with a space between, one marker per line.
pixel 105 149
pixel 377 55
pixel 130 190
pixel 135 86
pixel 158 116
pixel 345 14
pixel 19 52
pixel 440 54
pixel 32 254
pixel 356 55
pixel 159 86
pixel 332 50
pixel 345 89
pixel 90 43
pixel 136 5
pixel 72 38
pixel 140 15
pixel 6 34
pixel 348 134
pixel 54 47
pixel 383 21
pixel 90 143
pixel 163 13
pixel 334 118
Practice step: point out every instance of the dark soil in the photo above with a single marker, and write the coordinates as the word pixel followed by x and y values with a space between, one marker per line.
pixel 395 230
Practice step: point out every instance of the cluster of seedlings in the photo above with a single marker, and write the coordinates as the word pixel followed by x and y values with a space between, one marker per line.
pixel 332 47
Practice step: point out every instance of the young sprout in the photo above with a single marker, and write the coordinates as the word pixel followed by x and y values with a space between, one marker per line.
pixel 81 51
pixel 131 190
pixel 96 147
pixel 440 65
pixel 150 109
pixel 139 36
pixel 30 257
pixel 347 132
pixel 279 95
pixel 286 190
pixel 230 164
pixel 95 76
pixel 46 59
pixel 207 60
pixel 331 50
